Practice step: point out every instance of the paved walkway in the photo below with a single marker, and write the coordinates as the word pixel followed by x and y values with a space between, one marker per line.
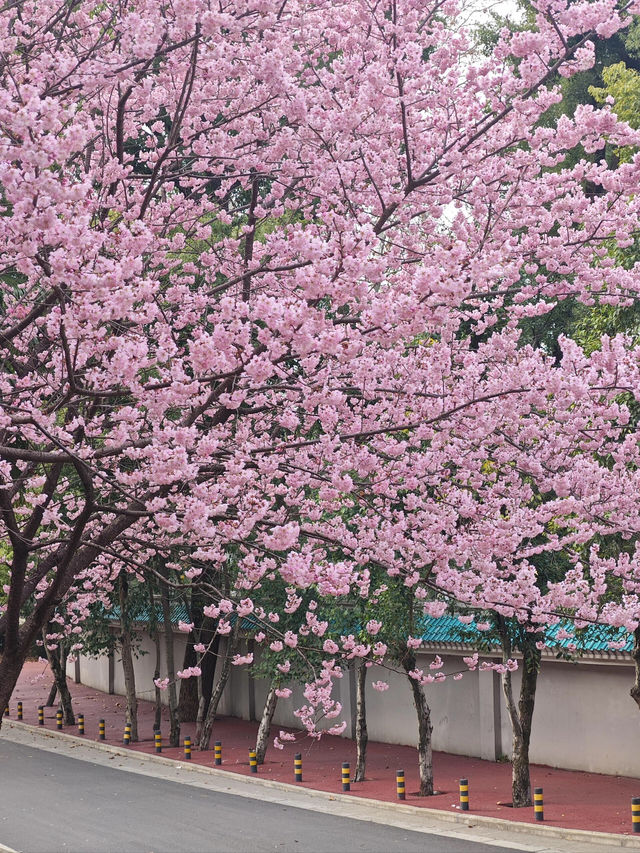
pixel 572 800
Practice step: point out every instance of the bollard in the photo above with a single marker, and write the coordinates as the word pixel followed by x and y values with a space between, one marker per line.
pixel 158 741
pixel 464 795
pixel 6 711
pixel 101 728
pixel 187 748
pixel 58 720
pixel 297 767
pixel 80 724
pixel 41 715
pixel 635 814
pixel 19 710
pixel 401 790
pixel 217 751
pixel 253 761
pixel 126 740
pixel 346 782
pixel 538 805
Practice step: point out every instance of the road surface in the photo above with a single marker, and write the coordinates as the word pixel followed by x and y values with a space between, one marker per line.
pixel 51 802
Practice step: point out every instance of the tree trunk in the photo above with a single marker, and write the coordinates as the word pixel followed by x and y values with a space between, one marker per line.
pixel 635 690
pixel 207 726
pixel 208 667
pixel 67 703
pixel 265 723
pixel 57 658
pixel 423 712
pixel 174 722
pixel 191 689
pixel 9 672
pixel 127 658
pixel 521 716
pixel 362 736
pixel 521 780
pixel 153 631
pixel 51 698
pixel 157 717
pixel 188 702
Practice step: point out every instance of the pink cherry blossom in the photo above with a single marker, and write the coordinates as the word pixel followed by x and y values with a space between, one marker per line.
pixel 268 278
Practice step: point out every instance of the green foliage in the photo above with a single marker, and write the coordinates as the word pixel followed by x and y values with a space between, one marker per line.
pixel 623 85
pixel 99 632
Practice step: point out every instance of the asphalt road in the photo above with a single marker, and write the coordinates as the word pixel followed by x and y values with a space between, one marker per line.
pixel 51 803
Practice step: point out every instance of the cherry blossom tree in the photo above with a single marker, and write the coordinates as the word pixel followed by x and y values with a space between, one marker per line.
pixel 264 265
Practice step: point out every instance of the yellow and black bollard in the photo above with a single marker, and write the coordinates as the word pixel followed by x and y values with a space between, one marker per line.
pixel 80 724
pixel 401 790
pixel 187 748
pixel 464 795
pixel 538 806
pixel 635 814
pixel 346 776
pixel 58 720
pixel 158 741
pixel 126 740
pixel 217 751
pixel 41 715
pixel 101 729
pixel 297 767
pixel 253 761
pixel 19 710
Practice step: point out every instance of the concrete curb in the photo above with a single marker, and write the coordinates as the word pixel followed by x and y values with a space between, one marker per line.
pixel 546 832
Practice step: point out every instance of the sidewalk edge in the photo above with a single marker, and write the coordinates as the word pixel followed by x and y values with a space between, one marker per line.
pixel 549 832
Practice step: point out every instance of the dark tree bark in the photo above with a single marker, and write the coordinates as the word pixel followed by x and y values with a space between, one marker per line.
pixel 57 661
pixel 188 702
pixel 211 640
pixel 191 689
pixel 65 564
pixel 423 712
pixel 9 672
pixel 157 716
pixel 216 695
pixel 126 648
pixel 520 714
pixel 635 690
pixel 174 722
pixel 362 736
pixel 51 698
pixel 265 722
pixel 153 631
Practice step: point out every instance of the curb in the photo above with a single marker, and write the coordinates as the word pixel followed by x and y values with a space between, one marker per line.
pixel 547 832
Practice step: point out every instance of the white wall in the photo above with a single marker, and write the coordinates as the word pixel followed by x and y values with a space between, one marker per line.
pixel 94 672
pixel 584 717
pixel 455 708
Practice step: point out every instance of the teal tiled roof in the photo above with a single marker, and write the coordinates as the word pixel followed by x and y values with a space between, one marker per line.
pixel 179 613
pixel 447 629
pixel 594 638
pixel 177 610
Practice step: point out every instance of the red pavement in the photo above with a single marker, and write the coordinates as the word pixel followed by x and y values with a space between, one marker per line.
pixel 572 799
